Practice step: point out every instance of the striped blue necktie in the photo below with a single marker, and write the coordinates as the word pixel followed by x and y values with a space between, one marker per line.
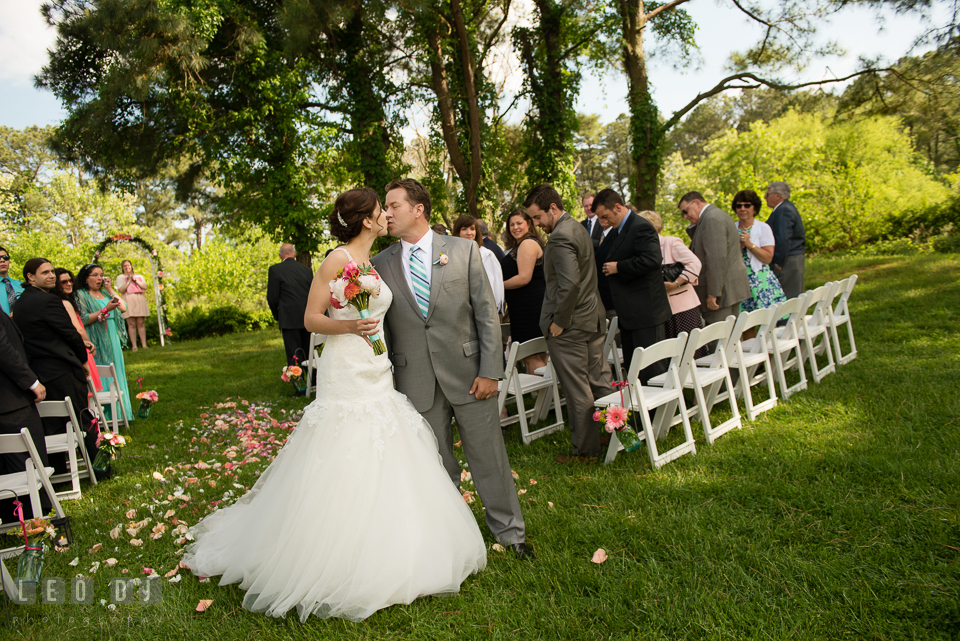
pixel 418 276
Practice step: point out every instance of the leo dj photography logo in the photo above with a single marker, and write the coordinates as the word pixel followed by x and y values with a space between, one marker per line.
pixel 53 591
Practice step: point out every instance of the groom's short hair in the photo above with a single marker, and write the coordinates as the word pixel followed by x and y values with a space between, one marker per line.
pixel 417 194
pixel 542 196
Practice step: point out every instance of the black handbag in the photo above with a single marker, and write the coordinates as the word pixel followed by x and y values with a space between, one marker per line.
pixel 672 271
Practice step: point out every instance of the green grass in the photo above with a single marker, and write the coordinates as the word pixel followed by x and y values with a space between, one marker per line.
pixel 833 516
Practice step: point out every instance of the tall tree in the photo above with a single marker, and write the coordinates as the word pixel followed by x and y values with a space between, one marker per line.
pixel 148 84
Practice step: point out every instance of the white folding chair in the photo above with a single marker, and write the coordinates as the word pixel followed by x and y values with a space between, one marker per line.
pixel 68 443
pixel 516 384
pixel 666 400
pixel 783 344
pixel 27 483
pixel 707 375
pixel 8 585
pixel 813 326
pixel 313 361
pixel 748 357
pixel 613 353
pixel 112 395
pixel 838 314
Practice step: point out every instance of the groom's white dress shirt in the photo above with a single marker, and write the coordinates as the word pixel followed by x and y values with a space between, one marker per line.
pixel 426 255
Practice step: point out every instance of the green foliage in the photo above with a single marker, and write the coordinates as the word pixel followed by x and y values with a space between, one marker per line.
pixel 225 272
pixel 198 322
pixel 924 92
pixel 849 180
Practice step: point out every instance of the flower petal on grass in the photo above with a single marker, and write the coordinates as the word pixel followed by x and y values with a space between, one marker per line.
pixel 533 481
pixel 496 547
pixel 115 532
pixel 74 563
pixel 599 556
pixel 204 604
pixel 95 548
pixel 131 514
pixel 136 542
pixel 110 562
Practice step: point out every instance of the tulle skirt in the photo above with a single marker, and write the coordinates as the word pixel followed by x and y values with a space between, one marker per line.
pixel 355 514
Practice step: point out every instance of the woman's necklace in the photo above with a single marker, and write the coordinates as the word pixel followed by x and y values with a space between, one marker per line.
pixel 742 228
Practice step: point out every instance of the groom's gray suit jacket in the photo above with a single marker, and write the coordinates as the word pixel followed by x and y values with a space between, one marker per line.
pixel 459 339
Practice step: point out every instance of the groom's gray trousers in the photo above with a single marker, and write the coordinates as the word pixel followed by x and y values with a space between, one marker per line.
pixel 482 439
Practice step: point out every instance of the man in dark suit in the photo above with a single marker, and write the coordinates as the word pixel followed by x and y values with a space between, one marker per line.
pixel 790 248
pixel 488 240
pixel 716 242
pixel 20 391
pixel 54 349
pixel 600 254
pixel 591 222
pixel 634 269
pixel 288 287
pixel 572 318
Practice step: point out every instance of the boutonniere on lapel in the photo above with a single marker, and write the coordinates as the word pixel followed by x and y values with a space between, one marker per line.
pixel 443 260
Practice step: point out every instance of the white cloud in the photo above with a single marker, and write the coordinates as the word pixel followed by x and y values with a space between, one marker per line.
pixel 24 39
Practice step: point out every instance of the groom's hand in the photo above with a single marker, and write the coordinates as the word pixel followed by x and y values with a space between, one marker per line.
pixel 483 388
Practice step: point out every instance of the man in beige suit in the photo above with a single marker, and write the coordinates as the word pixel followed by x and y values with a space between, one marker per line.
pixel 716 242
pixel 572 318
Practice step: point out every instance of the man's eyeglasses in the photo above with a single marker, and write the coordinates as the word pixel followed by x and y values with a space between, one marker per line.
pixel 742 205
pixel 4 257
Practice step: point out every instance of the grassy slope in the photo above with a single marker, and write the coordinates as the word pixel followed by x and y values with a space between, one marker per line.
pixel 833 516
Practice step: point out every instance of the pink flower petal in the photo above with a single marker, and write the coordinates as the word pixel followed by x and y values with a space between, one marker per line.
pixel 599 556
pixel 204 604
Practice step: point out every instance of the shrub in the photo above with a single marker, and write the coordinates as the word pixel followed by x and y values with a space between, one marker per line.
pixel 198 322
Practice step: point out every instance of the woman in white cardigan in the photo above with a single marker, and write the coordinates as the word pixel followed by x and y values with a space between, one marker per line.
pixel 466 227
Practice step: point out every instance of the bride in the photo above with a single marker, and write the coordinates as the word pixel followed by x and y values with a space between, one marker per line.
pixel 356 513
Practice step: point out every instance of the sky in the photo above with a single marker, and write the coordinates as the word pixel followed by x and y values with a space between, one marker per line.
pixel 25 38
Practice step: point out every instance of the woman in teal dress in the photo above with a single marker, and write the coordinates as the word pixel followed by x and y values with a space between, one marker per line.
pixel 105 326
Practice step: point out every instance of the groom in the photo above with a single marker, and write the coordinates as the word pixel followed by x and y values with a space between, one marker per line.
pixel 444 342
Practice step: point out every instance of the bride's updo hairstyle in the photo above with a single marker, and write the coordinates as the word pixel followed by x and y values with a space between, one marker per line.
pixel 349 212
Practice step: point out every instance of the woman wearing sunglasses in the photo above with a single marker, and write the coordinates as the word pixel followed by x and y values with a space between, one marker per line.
pixel 756 246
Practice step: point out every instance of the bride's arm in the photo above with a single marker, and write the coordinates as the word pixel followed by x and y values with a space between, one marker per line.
pixel 314 318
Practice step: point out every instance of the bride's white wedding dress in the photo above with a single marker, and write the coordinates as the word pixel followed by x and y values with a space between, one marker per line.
pixel 356 513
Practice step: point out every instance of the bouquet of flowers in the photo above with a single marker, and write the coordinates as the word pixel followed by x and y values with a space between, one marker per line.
pixel 614 419
pixel 147 399
pixel 291 373
pixel 108 448
pixel 355 286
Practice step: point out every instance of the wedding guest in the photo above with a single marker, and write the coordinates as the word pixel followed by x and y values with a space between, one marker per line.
pixel 488 240
pixel 466 227
pixel 132 287
pixel 523 283
pixel 603 285
pixel 572 319
pixel 98 304
pixel 684 302
pixel 791 241
pixel 55 350
pixel 64 289
pixel 288 287
pixel 20 391
pixel 757 247
pixel 11 287
pixel 634 269
pixel 591 222
pixel 723 281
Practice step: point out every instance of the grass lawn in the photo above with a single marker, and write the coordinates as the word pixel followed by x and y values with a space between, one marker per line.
pixel 833 516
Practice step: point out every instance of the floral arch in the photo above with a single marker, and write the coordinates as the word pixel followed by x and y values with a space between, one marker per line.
pixel 155 266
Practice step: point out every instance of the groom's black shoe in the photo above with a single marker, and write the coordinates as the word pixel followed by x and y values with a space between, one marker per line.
pixel 522 551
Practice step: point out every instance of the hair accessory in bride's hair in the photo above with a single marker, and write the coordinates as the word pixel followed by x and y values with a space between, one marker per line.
pixel 340 218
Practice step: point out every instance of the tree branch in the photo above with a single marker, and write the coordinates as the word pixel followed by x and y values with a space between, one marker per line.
pixel 664 7
pixel 493 35
pixel 745 77
pixel 751 14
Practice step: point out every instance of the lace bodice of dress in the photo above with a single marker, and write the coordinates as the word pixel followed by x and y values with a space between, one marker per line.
pixel 348 357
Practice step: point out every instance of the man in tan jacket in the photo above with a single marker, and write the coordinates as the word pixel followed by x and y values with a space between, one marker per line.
pixel 572 318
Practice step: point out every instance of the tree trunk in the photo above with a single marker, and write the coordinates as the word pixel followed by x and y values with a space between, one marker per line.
pixel 646 135
pixel 448 124
pixel 473 107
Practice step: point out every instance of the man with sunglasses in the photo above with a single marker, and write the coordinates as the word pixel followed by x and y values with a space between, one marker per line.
pixel 10 288
pixel 723 279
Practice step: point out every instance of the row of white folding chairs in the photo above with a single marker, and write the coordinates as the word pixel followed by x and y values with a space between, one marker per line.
pixel 811 321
